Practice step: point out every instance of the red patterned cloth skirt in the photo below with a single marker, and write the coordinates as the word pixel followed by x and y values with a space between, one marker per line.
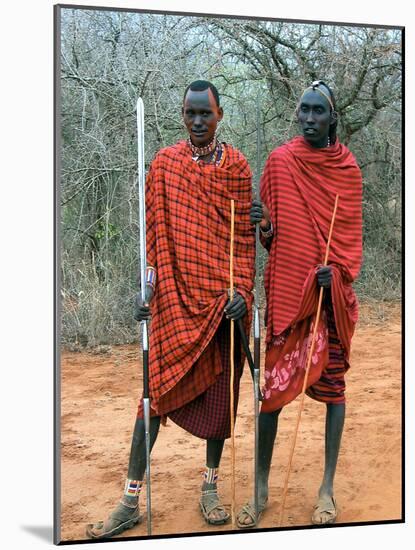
pixel 208 415
pixel 286 359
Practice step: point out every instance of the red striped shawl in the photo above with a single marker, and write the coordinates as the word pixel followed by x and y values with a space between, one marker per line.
pixel 299 185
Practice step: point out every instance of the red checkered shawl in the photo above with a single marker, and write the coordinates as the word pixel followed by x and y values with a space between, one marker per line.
pixel 299 185
pixel 188 242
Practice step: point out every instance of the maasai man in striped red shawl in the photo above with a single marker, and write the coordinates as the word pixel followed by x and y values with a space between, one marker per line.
pixel 189 189
pixel 298 188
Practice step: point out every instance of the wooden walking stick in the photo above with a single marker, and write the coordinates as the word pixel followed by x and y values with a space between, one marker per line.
pixel 232 375
pixel 310 354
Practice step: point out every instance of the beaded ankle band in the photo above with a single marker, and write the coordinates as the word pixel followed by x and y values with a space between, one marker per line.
pixel 210 475
pixel 132 487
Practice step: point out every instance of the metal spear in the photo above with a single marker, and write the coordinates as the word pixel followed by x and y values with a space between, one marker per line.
pixel 257 327
pixel 143 266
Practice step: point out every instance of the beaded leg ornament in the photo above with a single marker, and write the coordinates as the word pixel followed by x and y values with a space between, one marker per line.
pixel 210 475
pixel 132 487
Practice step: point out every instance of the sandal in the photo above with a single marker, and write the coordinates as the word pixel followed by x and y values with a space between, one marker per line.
pixel 249 510
pixel 121 519
pixel 324 513
pixel 209 502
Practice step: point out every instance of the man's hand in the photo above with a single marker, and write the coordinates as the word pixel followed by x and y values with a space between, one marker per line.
pixel 142 310
pixel 324 276
pixel 236 308
pixel 259 213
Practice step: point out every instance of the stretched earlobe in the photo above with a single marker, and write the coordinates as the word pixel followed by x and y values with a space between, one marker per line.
pixel 333 117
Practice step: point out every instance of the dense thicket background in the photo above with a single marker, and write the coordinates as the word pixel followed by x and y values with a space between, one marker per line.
pixel 108 59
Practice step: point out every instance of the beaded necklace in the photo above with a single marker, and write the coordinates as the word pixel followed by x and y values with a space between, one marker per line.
pixel 214 147
pixel 203 151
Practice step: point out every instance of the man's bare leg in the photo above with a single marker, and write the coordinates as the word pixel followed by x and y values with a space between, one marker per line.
pixel 126 513
pixel 137 462
pixel 268 426
pixel 325 510
pixel 213 512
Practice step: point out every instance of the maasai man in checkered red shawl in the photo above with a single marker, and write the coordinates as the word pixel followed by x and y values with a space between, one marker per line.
pixel 298 188
pixel 189 189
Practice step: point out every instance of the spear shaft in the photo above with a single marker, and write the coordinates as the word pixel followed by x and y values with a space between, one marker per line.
pixel 257 326
pixel 143 267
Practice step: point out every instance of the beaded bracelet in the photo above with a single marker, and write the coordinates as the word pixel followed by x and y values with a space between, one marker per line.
pixel 267 234
pixel 151 276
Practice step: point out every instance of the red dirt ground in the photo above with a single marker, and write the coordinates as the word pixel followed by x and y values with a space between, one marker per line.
pixel 99 397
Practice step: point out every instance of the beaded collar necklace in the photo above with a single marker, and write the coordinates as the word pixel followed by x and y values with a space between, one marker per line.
pixel 203 151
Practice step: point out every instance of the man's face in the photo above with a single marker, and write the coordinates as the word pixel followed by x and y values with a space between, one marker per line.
pixel 314 117
pixel 201 116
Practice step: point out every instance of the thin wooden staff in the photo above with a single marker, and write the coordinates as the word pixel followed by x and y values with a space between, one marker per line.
pixel 310 354
pixel 232 376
